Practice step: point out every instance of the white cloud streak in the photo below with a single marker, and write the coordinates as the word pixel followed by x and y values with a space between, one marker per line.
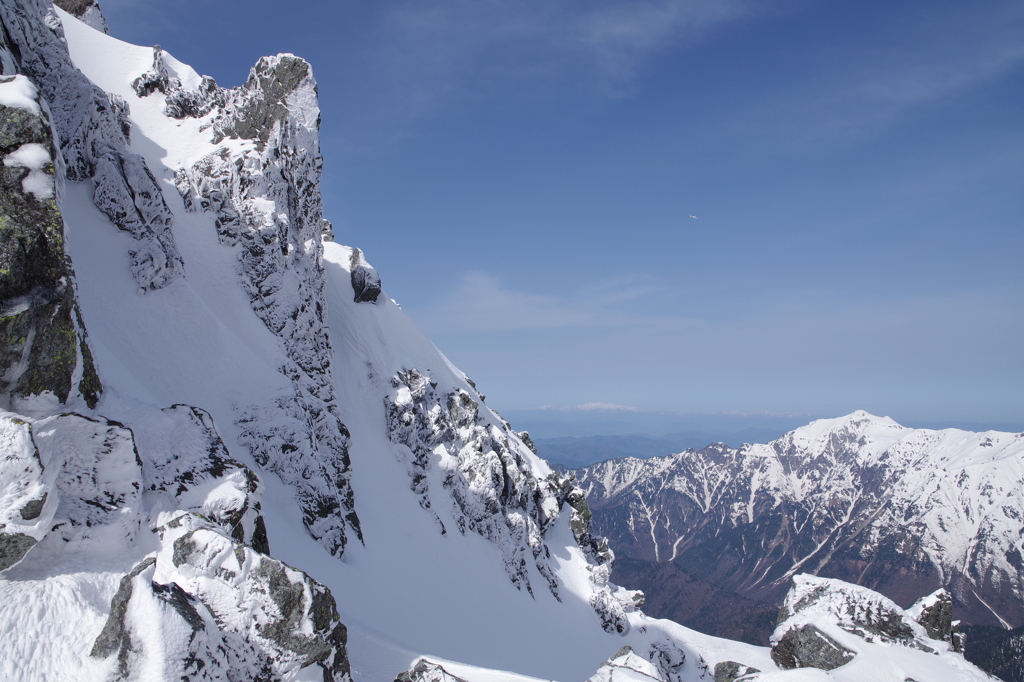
pixel 432 49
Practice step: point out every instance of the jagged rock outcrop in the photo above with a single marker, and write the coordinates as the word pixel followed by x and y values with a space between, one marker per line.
pixel 483 468
pixel 220 611
pixel 819 615
pixel 935 613
pixel 427 671
pixel 87 11
pixel 664 663
pixel 219 607
pixel 860 498
pixel 365 280
pixel 266 201
pixel 92 130
pixel 43 347
pixel 187 460
pixel 808 647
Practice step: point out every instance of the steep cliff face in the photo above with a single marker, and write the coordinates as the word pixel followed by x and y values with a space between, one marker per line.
pixel 43 347
pixel 265 197
pixel 860 498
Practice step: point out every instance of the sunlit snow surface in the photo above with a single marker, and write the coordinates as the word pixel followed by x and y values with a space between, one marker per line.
pixel 408 591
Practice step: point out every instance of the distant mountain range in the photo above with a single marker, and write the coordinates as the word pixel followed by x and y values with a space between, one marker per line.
pixel 574 452
pixel 860 498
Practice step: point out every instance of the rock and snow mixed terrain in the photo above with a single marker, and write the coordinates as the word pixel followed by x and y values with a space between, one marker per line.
pixel 226 454
pixel 860 498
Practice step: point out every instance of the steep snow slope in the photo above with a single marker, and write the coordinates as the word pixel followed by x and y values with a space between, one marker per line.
pixel 277 453
pixel 196 341
pixel 861 498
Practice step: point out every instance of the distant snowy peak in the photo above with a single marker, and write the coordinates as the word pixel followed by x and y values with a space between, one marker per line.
pixel 862 498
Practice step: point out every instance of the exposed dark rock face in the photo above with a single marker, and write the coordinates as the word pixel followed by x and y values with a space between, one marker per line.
pixel 935 613
pixel 13 547
pixel 365 280
pixel 809 647
pixel 731 671
pixel 114 637
pixel 42 339
pixel 86 10
pixel 860 499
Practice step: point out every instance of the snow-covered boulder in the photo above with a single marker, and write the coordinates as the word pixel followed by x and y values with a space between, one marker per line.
pixel 826 624
pixel 626 666
pixel 427 671
pixel 365 280
pixel 731 671
pixel 805 646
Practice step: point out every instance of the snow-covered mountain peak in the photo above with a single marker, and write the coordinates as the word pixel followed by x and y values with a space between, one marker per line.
pixel 859 433
pixel 852 497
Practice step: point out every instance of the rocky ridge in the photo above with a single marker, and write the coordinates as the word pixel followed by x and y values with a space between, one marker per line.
pixel 266 201
pixel 493 489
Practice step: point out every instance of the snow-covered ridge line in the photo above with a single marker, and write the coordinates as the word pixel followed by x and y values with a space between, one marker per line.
pixel 251 159
pixel 861 498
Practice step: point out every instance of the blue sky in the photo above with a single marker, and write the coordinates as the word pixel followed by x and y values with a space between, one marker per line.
pixel 523 175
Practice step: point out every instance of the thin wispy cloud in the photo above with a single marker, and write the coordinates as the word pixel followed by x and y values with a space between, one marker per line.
pixel 592 407
pixel 482 303
pixel 857 95
pixel 428 51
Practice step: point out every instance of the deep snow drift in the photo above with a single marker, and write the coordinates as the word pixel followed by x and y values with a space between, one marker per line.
pixel 279 477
